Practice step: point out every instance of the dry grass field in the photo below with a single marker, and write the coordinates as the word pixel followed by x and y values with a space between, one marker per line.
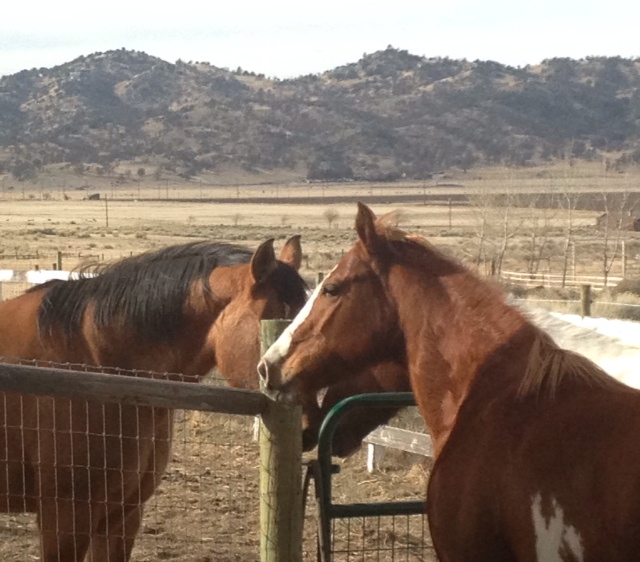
pixel 39 220
pixel 206 509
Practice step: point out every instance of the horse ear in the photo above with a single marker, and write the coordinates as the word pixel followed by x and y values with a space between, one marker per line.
pixel 291 252
pixel 263 262
pixel 366 229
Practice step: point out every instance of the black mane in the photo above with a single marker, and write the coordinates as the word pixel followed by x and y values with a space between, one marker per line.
pixel 148 291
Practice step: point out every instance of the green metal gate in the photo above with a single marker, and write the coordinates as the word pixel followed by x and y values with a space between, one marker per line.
pixel 322 469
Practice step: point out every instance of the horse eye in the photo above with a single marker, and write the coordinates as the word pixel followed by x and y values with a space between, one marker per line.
pixel 330 289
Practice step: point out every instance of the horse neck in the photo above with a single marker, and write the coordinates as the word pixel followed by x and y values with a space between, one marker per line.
pixel 210 313
pixel 188 355
pixel 463 333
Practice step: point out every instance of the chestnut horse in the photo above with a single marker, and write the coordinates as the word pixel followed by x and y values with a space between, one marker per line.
pixel 86 469
pixel 535 446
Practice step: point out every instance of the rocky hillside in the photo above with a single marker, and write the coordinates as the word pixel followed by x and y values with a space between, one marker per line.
pixel 389 115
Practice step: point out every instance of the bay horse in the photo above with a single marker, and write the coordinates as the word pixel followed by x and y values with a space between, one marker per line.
pixel 535 446
pixel 355 424
pixel 86 469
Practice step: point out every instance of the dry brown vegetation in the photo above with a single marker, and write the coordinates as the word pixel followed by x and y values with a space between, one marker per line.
pixel 479 216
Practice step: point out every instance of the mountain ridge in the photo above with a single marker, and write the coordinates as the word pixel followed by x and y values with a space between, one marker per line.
pixel 389 115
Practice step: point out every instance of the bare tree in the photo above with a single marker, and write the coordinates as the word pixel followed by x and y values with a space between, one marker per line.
pixel 331 215
pixel 616 212
pixel 496 226
pixel 482 203
pixel 568 202
pixel 537 237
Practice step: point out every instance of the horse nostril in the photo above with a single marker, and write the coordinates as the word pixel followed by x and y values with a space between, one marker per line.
pixel 263 371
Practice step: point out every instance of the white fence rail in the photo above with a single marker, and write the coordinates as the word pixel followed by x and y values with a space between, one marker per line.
pixel 14 282
pixel 553 280
pixel 388 437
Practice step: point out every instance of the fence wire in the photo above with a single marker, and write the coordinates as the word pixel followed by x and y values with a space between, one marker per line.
pixel 204 510
pixel 382 538
pixel 205 507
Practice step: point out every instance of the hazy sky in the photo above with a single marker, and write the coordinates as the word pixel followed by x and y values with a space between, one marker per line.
pixel 288 38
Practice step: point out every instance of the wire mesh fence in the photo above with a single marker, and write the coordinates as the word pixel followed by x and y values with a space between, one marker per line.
pixel 388 538
pixel 8 290
pixel 206 505
pixel 82 456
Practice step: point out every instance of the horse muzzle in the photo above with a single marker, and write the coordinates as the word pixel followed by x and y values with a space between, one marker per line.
pixel 274 383
pixel 271 381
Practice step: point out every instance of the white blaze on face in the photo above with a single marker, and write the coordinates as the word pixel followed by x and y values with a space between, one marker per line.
pixel 556 541
pixel 280 348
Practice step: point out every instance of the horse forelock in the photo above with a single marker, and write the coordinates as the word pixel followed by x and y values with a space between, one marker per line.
pixel 147 292
pixel 549 365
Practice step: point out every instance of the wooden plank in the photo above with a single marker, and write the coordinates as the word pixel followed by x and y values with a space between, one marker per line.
pixel 140 391
pixel 401 439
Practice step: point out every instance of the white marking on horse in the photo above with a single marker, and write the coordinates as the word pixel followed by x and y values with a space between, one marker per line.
pixel 556 541
pixel 280 348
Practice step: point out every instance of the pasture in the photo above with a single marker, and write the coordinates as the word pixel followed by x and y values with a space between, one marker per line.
pixel 478 216
pixel 206 507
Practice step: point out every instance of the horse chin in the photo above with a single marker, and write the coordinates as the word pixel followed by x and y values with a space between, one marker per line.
pixel 285 394
pixel 288 397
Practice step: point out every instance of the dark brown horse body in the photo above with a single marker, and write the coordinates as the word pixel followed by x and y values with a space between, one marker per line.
pixel 86 469
pixel 354 425
pixel 536 454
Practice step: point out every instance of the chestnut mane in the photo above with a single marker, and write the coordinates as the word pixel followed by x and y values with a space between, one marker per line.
pixel 548 365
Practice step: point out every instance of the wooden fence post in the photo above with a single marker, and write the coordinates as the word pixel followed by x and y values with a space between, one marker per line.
pixel 281 502
pixel 585 299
